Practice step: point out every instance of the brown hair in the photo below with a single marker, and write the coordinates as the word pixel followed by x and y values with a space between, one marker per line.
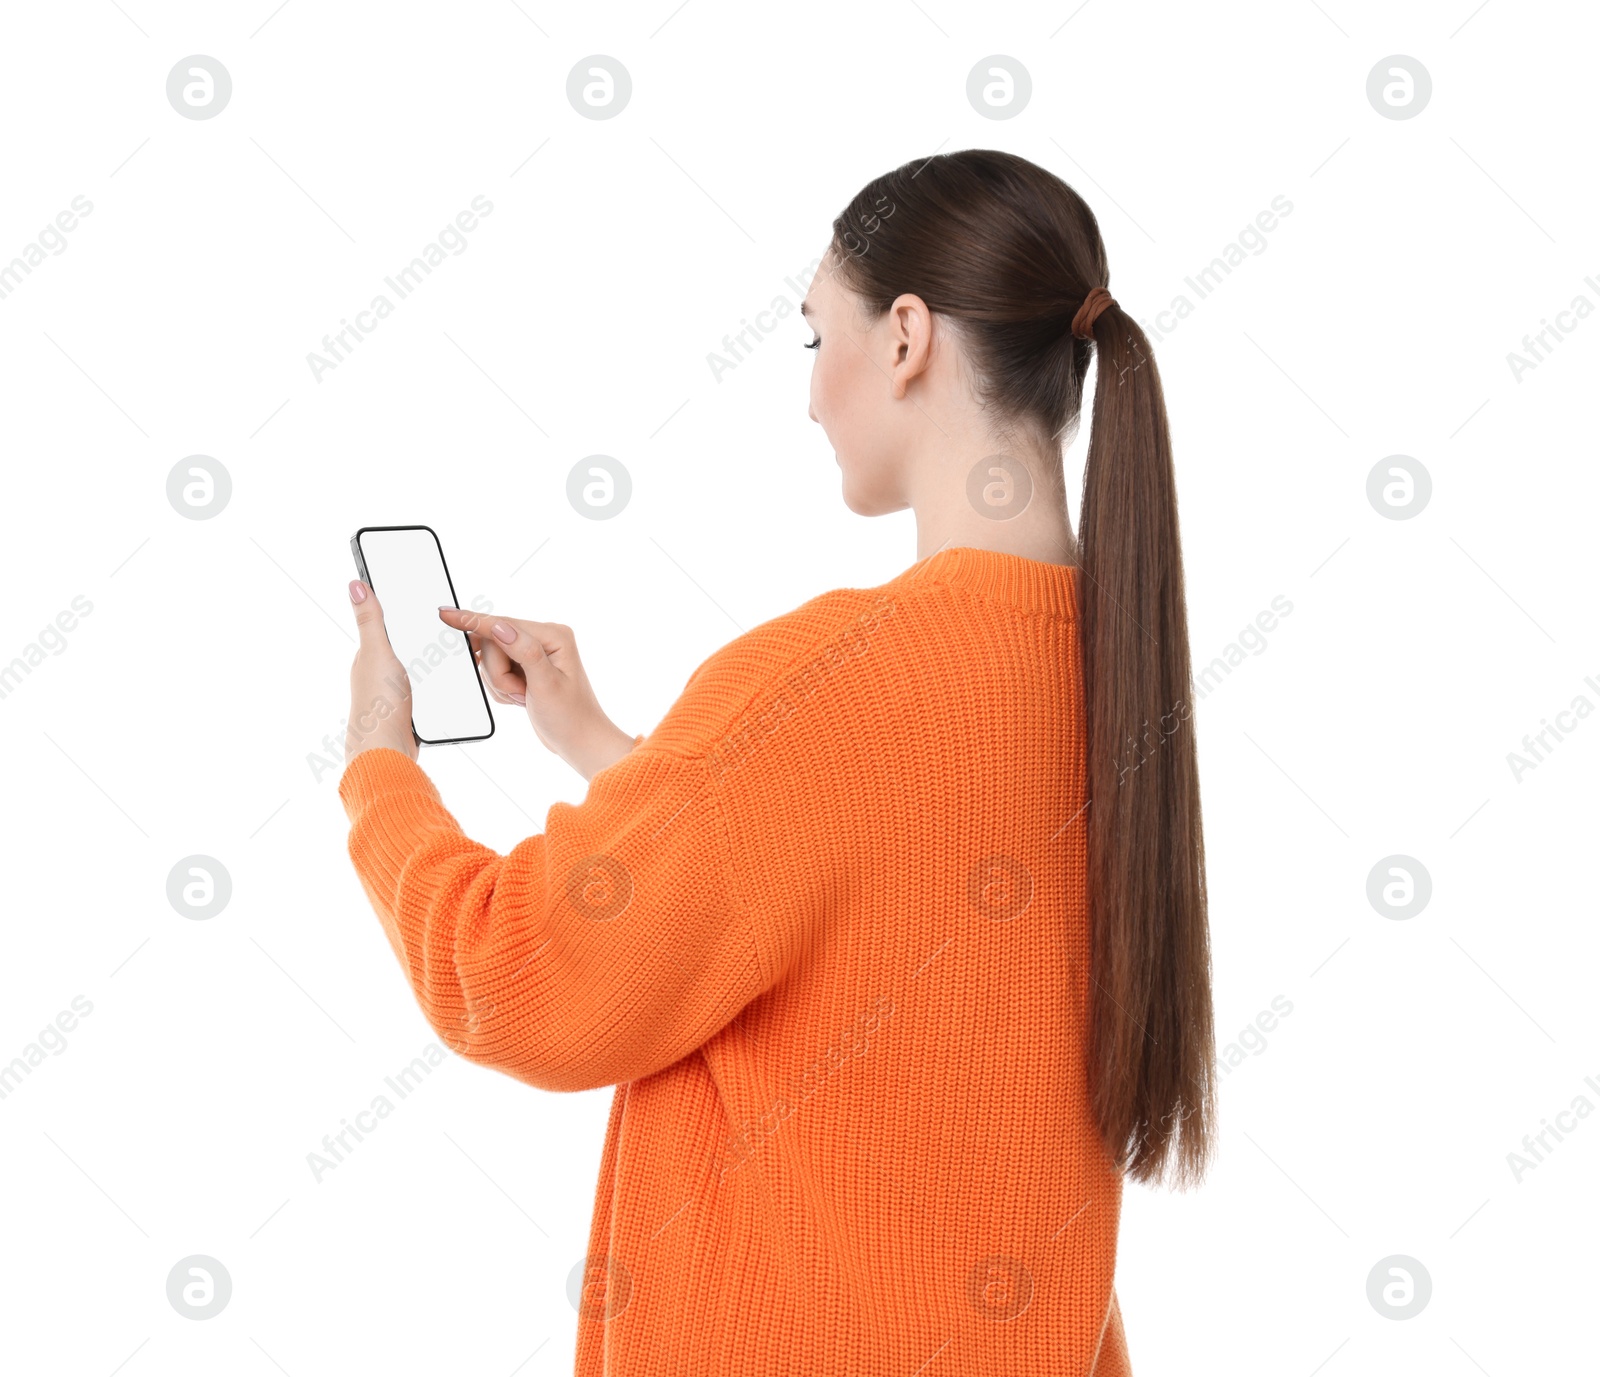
pixel 1007 252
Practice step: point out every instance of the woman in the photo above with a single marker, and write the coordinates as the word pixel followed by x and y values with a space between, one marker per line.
pixel 892 934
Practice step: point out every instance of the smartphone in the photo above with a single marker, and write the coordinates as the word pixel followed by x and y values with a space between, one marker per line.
pixel 404 566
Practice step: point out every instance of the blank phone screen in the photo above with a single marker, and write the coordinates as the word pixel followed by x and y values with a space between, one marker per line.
pixel 406 569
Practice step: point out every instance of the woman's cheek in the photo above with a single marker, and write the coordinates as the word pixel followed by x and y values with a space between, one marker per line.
pixel 831 395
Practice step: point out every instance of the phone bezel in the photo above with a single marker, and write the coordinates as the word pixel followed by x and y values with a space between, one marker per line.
pixel 361 569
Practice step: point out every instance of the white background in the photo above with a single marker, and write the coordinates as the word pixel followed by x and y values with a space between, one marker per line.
pixel 183 713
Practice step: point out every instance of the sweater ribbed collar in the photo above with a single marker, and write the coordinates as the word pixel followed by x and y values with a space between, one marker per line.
pixel 1031 584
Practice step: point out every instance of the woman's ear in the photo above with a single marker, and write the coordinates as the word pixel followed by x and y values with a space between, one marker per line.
pixel 911 332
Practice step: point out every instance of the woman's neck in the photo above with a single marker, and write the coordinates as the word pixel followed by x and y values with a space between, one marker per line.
pixel 1003 501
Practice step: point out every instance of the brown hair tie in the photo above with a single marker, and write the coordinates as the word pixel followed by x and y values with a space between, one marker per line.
pixel 1097 300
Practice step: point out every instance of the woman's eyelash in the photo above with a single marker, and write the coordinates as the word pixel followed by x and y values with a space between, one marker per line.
pixel 814 343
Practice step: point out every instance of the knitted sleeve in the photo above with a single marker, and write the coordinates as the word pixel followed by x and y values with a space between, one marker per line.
pixel 599 951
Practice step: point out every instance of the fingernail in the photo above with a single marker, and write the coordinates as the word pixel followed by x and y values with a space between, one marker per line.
pixel 502 632
pixel 520 699
pixel 358 591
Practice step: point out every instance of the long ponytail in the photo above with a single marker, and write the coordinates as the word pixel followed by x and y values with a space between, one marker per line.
pixel 1153 1045
pixel 1010 252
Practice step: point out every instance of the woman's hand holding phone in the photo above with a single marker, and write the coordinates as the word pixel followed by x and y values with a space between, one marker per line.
pixel 536 666
pixel 380 689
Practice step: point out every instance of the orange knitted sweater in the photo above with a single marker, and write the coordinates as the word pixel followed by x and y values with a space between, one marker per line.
pixel 825 930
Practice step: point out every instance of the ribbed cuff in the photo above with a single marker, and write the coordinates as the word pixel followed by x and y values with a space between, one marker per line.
pixel 381 770
pixel 394 809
